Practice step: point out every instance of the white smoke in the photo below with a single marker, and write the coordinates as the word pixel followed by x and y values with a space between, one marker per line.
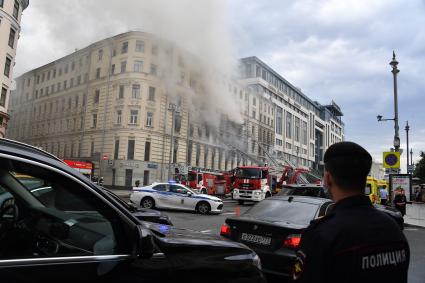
pixel 198 26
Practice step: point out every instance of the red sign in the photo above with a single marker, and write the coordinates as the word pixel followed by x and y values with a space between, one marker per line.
pixel 105 157
pixel 78 164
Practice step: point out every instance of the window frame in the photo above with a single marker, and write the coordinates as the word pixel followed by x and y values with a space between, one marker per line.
pixel 124 216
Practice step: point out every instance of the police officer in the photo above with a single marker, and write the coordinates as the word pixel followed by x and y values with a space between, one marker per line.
pixel 354 242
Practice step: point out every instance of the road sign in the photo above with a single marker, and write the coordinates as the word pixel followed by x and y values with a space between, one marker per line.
pixel 105 157
pixel 410 168
pixel 391 160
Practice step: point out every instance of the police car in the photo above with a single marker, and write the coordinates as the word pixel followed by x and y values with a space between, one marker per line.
pixel 175 196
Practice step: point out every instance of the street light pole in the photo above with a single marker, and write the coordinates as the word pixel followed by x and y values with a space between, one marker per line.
pixel 411 156
pixel 172 108
pixel 407 128
pixel 395 71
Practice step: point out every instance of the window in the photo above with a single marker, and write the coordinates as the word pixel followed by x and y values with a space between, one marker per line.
pixel 66 68
pixel 12 34
pixel 154 50
pixel 96 96
pixel 151 94
pixel 54 73
pixel 116 149
pixel 121 92
pixel 130 149
pixel 76 101
pixel 60 72
pixel 71 82
pixel 58 87
pixel 304 133
pixel 16 10
pixel 254 101
pixel 288 125
pixel 3 96
pixel 138 66
pixel 140 46
pixel 119 117
pixel 1 3
pixel 7 65
pixel 72 66
pixel 100 55
pixel 123 66
pixel 149 119
pixel 94 121
pixel 147 150
pixel 44 190
pixel 92 148
pixel 133 116
pixel 98 73
pixel 84 99
pixel 279 114
pixel 254 114
pixel 153 70
pixel 145 177
pixel 64 84
pixel 124 47
pixel 135 92
pixel 297 129
pixel 78 80
pixel 113 69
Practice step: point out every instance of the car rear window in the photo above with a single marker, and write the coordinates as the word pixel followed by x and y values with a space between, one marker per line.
pixel 283 211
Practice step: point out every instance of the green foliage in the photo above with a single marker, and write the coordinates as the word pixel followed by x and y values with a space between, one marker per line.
pixel 420 168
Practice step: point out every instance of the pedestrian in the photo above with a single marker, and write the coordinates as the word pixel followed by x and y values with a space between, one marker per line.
pixel 400 201
pixel 137 183
pixel 383 195
pixel 354 242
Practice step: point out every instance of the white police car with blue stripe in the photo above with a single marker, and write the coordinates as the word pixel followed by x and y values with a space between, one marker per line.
pixel 175 196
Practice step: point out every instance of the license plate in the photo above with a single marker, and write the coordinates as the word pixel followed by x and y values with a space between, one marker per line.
pixel 257 239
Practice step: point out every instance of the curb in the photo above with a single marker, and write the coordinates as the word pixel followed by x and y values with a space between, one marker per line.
pixel 413 226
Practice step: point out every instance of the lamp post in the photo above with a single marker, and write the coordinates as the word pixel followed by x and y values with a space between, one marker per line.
pixel 411 156
pixel 395 71
pixel 407 128
pixel 174 109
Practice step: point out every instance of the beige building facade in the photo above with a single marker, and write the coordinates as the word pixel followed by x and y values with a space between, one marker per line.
pixel 133 105
pixel 10 18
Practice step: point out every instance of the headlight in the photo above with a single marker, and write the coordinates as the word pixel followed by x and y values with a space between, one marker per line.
pixel 256 261
pixel 257 193
pixel 218 200
pixel 235 191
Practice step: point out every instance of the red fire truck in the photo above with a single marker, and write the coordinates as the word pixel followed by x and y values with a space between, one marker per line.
pixel 205 182
pixel 252 183
pixel 84 168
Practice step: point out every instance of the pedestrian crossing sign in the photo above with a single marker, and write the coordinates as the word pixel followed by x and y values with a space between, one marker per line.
pixel 391 160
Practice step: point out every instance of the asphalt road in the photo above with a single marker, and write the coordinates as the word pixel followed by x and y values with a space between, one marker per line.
pixel 212 224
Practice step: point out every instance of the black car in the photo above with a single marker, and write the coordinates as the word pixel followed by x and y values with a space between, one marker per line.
pixel 314 190
pixel 273 227
pixel 79 233
pixel 143 214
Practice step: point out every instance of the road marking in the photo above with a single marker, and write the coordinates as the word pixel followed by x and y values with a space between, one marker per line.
pixel 205 231
pixel 228 213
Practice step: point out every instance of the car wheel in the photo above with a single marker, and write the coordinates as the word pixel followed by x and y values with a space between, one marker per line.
pixel 240 202
pixel 147 202
pixel 203 207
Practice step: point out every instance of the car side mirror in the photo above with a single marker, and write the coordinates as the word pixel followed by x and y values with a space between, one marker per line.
pixel 146 245
pixel 189 194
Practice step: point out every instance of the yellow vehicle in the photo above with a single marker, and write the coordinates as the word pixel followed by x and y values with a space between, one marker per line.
pixel 371 190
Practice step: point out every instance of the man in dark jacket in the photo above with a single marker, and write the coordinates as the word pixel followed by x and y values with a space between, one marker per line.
pixel 400 201
pixel 355 242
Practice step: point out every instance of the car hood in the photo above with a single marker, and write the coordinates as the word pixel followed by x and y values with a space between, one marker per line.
pixel 171 232
pixel 147 212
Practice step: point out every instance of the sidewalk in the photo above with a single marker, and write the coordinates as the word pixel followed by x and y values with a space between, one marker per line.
pixel 415 214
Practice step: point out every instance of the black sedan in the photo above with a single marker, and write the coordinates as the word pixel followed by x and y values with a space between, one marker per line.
pixel 273 227
pixel 314 190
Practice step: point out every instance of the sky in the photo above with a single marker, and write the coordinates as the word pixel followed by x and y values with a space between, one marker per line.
pixel 332 49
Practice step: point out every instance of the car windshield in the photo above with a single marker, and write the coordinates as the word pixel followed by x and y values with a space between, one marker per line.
pixel 276 210
pixel 302 191
pixel 248 173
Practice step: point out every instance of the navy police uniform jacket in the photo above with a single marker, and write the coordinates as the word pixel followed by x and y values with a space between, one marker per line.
pixel 354 243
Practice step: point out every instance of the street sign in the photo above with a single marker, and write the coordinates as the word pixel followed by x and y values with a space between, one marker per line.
pixel 105 157
pixel 391 160
pixel 410 168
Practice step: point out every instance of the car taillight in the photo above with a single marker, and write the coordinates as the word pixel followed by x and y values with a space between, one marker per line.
pixel 225 230
pixel 292 241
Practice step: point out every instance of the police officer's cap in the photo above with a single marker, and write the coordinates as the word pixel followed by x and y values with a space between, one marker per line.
pixel 346 150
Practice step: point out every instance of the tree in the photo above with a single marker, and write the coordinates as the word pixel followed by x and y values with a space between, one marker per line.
pixel 420 168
